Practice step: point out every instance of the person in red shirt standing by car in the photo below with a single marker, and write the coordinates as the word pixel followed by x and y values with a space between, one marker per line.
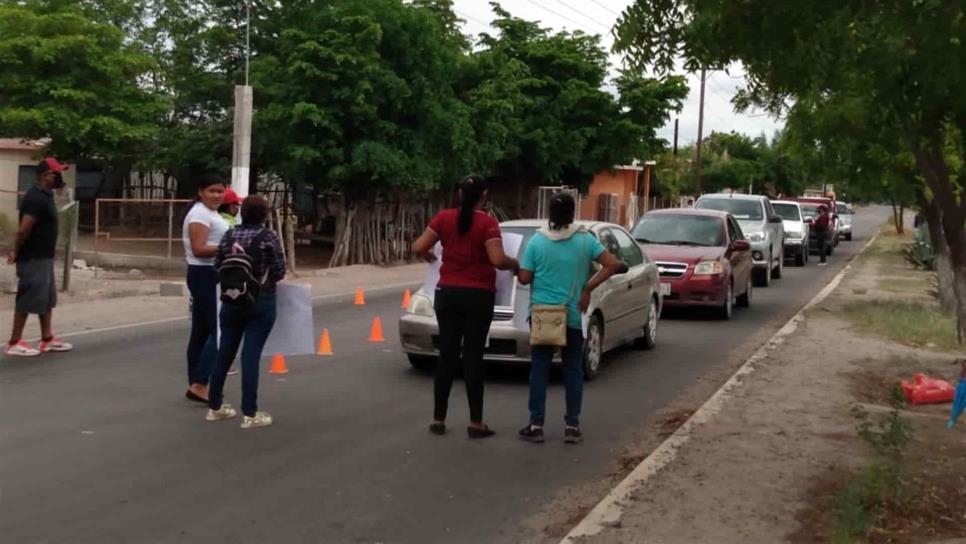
pixel 464 297
pixel 821 226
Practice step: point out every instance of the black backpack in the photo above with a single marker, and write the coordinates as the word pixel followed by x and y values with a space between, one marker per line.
pixel 236 273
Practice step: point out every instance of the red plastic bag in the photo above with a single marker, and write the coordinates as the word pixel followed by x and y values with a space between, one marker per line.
pixel 926 390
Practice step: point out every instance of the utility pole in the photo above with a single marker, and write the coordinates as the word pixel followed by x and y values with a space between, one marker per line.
pixel 676 120
pixel 697 172
pixel 242 144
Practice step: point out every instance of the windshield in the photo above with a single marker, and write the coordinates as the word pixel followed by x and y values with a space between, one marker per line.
pixel 741 209
pixel 672 229
pixel 789 212
pixel 842 209
pixel 810 210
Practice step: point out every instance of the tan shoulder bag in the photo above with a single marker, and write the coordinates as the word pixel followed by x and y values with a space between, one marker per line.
pixel 548 322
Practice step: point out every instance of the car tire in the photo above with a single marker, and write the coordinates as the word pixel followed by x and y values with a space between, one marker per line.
pixel 649 340
pixel 593 347
pixel 422 362
pixel 763 275
pixel 727 309
pixel 779 270
pixel 848 237
pixel 802 257
pixel 744 300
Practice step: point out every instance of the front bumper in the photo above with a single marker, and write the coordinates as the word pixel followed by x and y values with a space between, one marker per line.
pixel 759 255
pixel 793 246
pixel 419 335
pixel 696 291
pixel 845 229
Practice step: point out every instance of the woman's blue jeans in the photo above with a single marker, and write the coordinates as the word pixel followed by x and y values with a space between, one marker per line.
pixel 541 357
pixel 254 324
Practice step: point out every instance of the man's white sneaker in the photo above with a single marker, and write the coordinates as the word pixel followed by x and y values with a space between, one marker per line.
pixel 260 419
pixel 20 349
pixel 223 413
pixel 54 344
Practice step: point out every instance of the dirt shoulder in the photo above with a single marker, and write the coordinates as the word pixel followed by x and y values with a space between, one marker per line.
pixel 776 464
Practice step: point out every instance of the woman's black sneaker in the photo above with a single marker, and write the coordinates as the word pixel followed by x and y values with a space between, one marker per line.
pixel 480 432
pixel 437 428
pixel 532 434
pixel 572 435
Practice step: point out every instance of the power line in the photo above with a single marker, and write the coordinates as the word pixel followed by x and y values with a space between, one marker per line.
pixel 606 8
pixel 468 16
pixel 582 14
pixel 564 17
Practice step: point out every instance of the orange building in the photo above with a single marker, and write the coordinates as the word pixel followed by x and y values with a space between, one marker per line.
pixel 612 192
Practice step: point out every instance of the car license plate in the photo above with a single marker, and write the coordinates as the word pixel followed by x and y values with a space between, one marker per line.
pixel 665 289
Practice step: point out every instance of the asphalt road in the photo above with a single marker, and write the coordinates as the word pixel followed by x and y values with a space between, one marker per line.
pixel 100 446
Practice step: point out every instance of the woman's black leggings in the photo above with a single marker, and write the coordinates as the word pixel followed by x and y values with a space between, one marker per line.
pixel 464 317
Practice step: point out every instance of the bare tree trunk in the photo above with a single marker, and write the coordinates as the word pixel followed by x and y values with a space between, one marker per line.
pixel 896 217
pixel 944 268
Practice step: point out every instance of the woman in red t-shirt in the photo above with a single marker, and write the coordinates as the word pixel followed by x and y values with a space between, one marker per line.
pixel 472 251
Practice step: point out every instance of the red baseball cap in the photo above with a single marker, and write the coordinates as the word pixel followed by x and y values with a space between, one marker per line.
pixel 231 197
pixel 50 164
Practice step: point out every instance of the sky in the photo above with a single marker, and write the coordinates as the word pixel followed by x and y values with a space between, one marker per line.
pixel 597 17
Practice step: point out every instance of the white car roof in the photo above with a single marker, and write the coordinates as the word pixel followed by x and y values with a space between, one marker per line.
pixel 735 196
pixel 537 223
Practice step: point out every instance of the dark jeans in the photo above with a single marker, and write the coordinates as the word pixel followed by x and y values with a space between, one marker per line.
pixel 573 368
pixel 823 241
pixel 254 324
pixel 464 317
pixel 203 342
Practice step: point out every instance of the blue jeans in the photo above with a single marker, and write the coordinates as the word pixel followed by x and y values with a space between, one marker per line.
pixel 573 368
pixel 254 324
pixel 202 344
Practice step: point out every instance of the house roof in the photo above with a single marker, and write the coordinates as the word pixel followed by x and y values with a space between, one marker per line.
pixel 18 144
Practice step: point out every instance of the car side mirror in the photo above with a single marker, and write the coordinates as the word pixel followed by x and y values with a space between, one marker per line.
pixel 774 219
pixel 740 245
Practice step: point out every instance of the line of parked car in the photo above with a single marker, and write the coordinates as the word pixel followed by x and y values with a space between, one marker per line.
pixel 712 256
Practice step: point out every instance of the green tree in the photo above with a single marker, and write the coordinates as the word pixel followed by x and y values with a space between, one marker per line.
pixel 71 79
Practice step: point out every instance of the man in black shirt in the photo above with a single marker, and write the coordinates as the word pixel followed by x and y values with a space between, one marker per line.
pixel 33 250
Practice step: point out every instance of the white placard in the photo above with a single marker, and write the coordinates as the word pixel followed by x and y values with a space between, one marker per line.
pixel 432 274
pixel 294 330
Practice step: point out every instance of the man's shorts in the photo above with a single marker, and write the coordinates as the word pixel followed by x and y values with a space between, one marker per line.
pixel 36 287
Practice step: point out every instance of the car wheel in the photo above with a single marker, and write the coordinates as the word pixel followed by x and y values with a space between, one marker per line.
pixel 848 237
pixel 649 340
pixel 763 275
pixel 780 269
pixel 744 300
pixel 422 362
pixel 802 257
pixel 727 309
pixel 593 348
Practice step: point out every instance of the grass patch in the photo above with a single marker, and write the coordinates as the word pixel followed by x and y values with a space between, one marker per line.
pixel 904 322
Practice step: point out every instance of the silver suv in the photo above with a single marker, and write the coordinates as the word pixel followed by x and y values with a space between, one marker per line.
pixel 762 227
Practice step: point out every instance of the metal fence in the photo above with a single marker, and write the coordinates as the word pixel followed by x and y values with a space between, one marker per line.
pixel 154 223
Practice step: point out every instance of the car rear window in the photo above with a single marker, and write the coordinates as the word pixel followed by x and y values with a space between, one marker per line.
pixel 810 210
pixel 741 209
pixel 680 229
pixel 787 211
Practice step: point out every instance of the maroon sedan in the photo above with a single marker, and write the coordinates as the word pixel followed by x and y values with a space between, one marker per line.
pixel 702 256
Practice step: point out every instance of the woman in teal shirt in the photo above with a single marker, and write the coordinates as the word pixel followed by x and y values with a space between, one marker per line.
pixel 557 261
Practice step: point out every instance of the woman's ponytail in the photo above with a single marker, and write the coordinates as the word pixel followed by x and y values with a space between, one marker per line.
pixel 471 191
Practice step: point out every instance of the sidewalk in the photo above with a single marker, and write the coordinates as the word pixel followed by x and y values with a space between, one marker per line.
pixel 103 303
pixel 782 460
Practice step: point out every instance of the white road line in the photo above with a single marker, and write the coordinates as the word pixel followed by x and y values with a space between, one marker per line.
pixel 318 298
pixel 610 509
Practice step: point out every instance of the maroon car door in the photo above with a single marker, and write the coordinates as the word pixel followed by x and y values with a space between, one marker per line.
pixel 740 260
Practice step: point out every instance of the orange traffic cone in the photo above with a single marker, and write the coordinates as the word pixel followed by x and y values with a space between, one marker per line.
pixel 325 345
pixel 360 297
pixel 376 334
pixel 278 365
pixel 407 297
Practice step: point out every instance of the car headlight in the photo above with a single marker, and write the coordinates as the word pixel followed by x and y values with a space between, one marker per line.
pixel 793 234
pixel 421 305
pixel 756 237
pixel 708 268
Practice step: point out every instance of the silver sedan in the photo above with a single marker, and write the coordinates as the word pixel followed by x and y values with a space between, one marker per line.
pixel 625 308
